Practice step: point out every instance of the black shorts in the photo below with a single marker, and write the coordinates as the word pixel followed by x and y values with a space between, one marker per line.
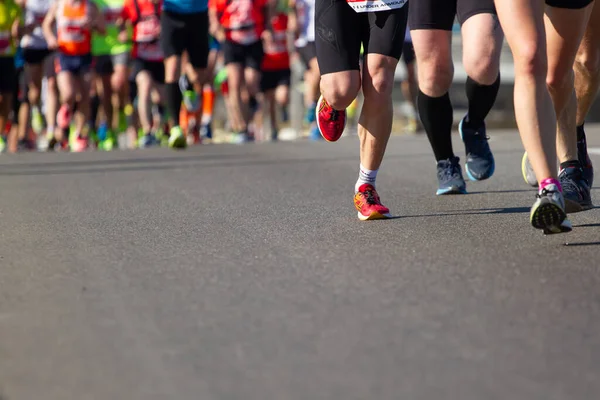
pixel 103 65
pixel 35 56
pixel 439 14
pixel 8 77
pixel 155 68
pixel 571 4
pixel 408 53
pixel 250 55
pixel 19 93
pixel 340 31
pixel 270 80
pixel 185 32
pixel 307 53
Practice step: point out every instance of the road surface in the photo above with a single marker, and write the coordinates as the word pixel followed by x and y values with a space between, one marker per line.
pixel 241 272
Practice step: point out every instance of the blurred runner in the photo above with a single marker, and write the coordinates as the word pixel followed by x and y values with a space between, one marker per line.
pixel 409 85
pixel 75 20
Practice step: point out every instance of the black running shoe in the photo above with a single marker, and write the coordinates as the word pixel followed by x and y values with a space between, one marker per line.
pixel 575 190
pixel 480 163
pixel 450 177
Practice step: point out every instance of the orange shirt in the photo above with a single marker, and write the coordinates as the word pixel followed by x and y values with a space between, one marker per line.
pixel 243 20
pixel 145 16
pixel 74 38
pixel 277 56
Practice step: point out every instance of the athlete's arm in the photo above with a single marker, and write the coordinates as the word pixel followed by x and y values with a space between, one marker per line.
pixel 47 27
pixel 215 26
pixel 97 20
pixel 16 29
pixel 293 18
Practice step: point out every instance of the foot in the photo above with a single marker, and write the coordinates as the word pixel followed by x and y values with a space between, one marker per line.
pixel 109 143
pixel 548 211
pixel 79 144
pixel 37 120
pixel 331 122
pixel 576 191
pixel 177 139
pixel 480 163
pixel 368 204
pixel 584 158
pixel 527 171
pixel 315 134
pixel 147 140
pixel 63 118
pixel 450 179
pixel 309 118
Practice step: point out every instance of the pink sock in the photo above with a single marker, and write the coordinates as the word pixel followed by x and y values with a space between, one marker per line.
pixel 550 181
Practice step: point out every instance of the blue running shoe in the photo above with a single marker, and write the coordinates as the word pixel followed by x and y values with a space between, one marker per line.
pixel 310 116
pixel 480 160
pixel 576 191
pixel 450 177
pixel 315 135
pixel 148 140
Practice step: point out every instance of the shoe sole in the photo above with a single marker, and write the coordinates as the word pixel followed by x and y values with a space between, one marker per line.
pixel 319 126
pixel 549 217
pixel 470 175
pixel 452 190
pixel 373 216
pixel 179 143
pixel 524 163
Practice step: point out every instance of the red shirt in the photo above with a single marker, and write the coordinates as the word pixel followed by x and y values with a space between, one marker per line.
pixel 146 28
pixel 243 20
pixel 276 51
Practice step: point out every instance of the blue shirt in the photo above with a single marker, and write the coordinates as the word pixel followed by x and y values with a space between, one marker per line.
pixel 185 6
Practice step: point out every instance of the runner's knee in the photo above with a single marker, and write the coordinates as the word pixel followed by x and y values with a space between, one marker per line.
pixel 530 59
pixel 340 91
pixel 380 86
pixel 435 76
pixel 588 60
pixel 483 67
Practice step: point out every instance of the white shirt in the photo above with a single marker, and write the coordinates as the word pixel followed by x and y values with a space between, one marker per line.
pixel 35 12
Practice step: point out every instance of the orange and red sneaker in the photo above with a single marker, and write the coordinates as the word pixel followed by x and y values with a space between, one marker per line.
pixel 331 122
pixel 369 205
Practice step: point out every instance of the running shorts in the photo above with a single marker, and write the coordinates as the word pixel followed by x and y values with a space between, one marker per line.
pixel 35 56
pixel 340 31
pixel 105 64
pixel 307 53
pixel 249 56
pixel 19 92
pixel 185 32
pixel 439 14
pixel 8 77
pixel 570 4
pixel 408 53
pixel 270 80
pixel 155 68
pixel 78 65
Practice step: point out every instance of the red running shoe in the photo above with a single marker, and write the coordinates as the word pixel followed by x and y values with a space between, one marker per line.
pixel 331 122
pixel 63 118
pixel 369 205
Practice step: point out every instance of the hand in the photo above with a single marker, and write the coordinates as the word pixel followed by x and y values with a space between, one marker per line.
pixel 220 35
pixel 267 36
pixel 16 30
pixel 52 43
pixel 123 36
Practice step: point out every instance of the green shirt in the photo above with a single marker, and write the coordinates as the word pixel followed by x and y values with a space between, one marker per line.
pixel 109 44
pixel 9 13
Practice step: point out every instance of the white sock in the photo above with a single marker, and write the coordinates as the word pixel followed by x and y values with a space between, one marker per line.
pixel 365 176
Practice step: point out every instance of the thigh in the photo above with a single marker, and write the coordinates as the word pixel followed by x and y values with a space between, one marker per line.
pixel 49 63
pixel 432 14
pixel 121 59
pixel 386 32
pixel 254 55
pixel 465 9
pixel 339 34
pixel 172 34
pixel 197 40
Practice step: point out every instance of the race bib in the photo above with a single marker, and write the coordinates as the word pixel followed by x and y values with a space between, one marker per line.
pixel 112 14
pixel 5 46
pixel 149 51
pixel 278 45
pixel 375 5
pixel 244 36
pixel 72 33
pixel 148 29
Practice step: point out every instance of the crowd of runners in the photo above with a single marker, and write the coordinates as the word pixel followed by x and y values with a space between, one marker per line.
pixel 77 73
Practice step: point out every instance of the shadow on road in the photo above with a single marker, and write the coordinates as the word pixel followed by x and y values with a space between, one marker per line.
pixel 582 244
pixel 481 211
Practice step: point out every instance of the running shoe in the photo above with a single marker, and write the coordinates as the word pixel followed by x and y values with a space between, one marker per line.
pixel 37 120
pixel 2 144
pixel 450 178
pixel 576 191
pixel 148 140
pixel 63 118
pixel 79 144
pixel 191 101
pixel 480 163
pixel 177 139
pixel 548 211
pixel 315 134
pixel 331 122
pixel 239 138
pixel 584 157
pixel 368 204
pixel 110 142
pixel 527 171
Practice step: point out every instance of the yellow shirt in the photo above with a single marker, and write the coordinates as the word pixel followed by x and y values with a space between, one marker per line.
pixel 9 13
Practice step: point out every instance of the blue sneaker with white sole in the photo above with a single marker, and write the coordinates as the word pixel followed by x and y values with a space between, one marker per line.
pixel 450 179
pixel 480 163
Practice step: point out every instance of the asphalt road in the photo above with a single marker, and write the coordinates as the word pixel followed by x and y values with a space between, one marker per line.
pixel 241 272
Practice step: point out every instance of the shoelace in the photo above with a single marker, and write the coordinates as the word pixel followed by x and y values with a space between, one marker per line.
pixel 545 192
pixel 450 172
pixel 371 197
